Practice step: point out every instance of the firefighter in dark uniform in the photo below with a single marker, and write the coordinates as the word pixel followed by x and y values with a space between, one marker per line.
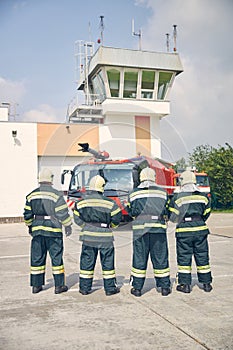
pixel 189 209
pixel 97 214
pixel 45 213
pixel 147 205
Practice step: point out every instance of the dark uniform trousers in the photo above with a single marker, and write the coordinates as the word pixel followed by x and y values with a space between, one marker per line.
pixel 39 247
pixel 154 244
pixel 87 265
pixel 196 245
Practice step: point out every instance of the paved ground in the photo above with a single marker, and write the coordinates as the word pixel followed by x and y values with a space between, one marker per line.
pixel 71 321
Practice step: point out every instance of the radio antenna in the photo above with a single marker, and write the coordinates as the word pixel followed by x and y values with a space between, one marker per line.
pixel 167 42
pixel 174 36
pixel 101 27
pixel 139 34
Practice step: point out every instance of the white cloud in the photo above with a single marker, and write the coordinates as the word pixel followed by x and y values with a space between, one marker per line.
pixel 201 107
pixel 44 113
pixel 11 91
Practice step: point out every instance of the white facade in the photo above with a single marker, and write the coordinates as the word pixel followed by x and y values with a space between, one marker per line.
pixel 18 156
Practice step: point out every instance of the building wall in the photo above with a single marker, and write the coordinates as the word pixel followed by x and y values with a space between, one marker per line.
pixel 18 175
pixel 117 136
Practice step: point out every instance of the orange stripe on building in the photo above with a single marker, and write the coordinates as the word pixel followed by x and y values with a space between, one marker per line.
pixel 142 133
pixel 63 139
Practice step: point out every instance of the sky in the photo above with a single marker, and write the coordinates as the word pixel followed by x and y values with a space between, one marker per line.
pixel 37 62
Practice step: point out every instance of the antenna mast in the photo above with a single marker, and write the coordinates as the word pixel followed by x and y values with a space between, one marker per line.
pixel 139 34
pixel 174 36
pixel 101 26
pixel 167 42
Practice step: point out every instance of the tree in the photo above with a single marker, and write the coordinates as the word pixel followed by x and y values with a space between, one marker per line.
pixel 200 156
pixel 180 165
pixel 218 163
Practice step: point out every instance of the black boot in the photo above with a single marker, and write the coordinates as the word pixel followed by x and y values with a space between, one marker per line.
pixel 207 287
pixel 136 292
pixel 165 291
pixel 84 292
pixel 60 289
pixel 113 291
pixel 36 289
pixel 185 288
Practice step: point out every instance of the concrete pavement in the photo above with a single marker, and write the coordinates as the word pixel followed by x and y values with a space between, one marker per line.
pixel 71 321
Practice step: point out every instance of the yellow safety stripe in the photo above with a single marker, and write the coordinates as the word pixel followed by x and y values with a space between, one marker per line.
pixel 190 229
pixel 76 213
pixel 138 273
pixel 207 211
pixel 28 207
pixel 173 210
pixel 37 270
pixel 191 199
pixel 203 269
pixel 115 211
pixel 147 194
pixel 28 222
pixel 61 207
pixel 148 224
pixel 184 269
pixel 108 274
pixel 162 272
pixel 46 228
pixel 86 274
pixel 67 222
pixel 98 234
pixel 43 195
pixel 57 270
pixel 94 203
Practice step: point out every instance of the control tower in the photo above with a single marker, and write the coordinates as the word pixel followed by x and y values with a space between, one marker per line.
pixel 126 92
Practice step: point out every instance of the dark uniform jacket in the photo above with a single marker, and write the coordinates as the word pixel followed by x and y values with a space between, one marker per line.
pixel 148 207
pixel 190 210
pixel 46 211
pixel 97 214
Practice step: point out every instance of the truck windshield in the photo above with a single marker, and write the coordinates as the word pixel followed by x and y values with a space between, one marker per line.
pixel 118 176
pixel 202 180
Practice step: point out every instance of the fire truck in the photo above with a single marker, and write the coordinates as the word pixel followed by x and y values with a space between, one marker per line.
pixel 202 182
pixel 121 176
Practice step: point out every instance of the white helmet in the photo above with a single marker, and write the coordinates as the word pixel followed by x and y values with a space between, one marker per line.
pixel 45 175
pixel 147 174
pixel 97 183
pixel 187 177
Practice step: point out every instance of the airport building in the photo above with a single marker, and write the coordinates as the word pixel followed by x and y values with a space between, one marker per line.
pixel 125 94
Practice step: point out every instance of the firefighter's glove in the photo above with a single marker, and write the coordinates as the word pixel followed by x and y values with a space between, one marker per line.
pixel 30 230
pixel 68 231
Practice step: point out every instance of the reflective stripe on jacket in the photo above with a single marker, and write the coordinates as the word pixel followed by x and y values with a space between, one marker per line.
pixel 190 210
pixel 46 211
pixel 148 208
pixel 97 214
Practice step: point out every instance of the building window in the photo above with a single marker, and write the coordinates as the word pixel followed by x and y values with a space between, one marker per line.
pixel 147 84
pixel 130 84
pixel 114 81
pixel 98 87
pixel 164 81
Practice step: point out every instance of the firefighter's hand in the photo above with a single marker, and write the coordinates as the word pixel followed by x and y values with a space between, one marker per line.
pixel 68 230
pixel 30 230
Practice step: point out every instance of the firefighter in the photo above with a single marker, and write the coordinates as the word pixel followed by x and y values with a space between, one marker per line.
pixel 189 209
pixel 147 206
pixel 45 213
pixel 97 214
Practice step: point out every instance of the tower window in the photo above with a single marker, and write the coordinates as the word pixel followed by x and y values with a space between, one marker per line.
pixel 147 84
pixel 114 81
pixel 164 81
pixel 130 84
